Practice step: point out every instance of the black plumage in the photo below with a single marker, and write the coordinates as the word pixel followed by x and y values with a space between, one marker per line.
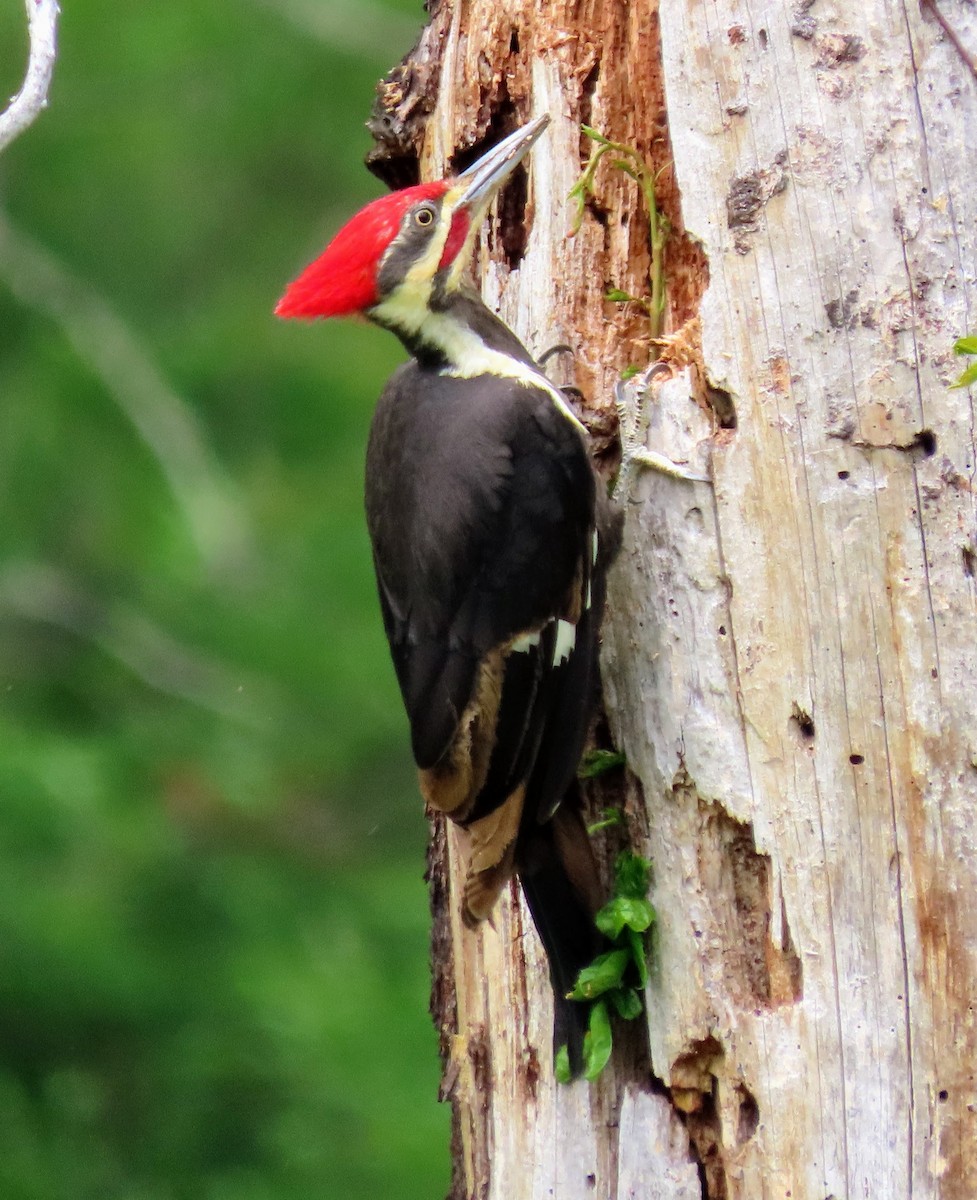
pixel 481 505
pixel 483 511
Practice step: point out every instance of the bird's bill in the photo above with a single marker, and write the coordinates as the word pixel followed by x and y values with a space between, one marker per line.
pixel 483 179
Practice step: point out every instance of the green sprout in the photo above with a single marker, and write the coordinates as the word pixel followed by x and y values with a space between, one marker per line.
pixel 598 762
pixel 609 817
pixel 627 159
pixel 615 979
pixel 968 377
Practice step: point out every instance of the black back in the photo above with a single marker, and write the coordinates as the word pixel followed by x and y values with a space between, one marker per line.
pixel 480 502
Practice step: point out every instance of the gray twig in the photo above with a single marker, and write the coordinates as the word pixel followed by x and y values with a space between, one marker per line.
pixel 42 23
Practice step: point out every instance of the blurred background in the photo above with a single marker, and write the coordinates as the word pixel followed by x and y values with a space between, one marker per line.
pixel 213 923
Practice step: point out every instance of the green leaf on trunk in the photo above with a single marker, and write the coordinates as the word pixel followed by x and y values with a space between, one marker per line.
pixel 561 1066
pixel 631 911
pixel 632 875
pixel 597 1042
pixel 627 1002
pixel 604 973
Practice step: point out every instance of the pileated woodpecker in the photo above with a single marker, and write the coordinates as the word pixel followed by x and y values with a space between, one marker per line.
pixel 482 509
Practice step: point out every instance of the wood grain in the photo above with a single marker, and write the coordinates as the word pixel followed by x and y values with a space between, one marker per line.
pixel 791 652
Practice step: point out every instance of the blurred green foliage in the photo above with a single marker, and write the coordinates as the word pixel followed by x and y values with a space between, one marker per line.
pixel 213 924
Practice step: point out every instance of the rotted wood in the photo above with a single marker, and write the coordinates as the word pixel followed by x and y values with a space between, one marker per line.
pixel 791 653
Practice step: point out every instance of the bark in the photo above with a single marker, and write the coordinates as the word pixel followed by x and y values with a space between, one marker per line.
pixel 790 658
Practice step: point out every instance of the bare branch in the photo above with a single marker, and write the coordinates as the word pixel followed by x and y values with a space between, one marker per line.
pixel 42 21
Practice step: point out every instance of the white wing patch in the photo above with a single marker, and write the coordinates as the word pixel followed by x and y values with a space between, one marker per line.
pixel 566 639
pixel 593 560
pixel 525 643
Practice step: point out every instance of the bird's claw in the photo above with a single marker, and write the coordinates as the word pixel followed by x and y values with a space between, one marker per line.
pixel 633 426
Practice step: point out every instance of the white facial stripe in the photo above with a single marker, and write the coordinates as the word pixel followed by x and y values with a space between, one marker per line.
pixel 407 305
pixel 408 308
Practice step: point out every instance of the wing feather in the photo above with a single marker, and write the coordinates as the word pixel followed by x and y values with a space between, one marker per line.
pixel 480 504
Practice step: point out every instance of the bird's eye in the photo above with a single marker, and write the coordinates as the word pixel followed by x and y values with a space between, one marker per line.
pixel 424 217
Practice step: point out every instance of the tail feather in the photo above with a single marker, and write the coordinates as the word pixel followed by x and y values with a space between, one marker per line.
pixel 559 880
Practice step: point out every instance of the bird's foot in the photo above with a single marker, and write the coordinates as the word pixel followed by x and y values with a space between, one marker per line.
pixel 569 390
pixel 631 405
pixel 559 348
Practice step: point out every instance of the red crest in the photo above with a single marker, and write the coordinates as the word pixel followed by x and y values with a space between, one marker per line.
pixel 343 279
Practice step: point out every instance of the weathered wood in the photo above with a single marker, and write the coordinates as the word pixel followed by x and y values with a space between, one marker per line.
pixel 791 653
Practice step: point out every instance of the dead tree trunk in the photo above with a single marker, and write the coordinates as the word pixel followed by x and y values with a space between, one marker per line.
pixel 791 653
